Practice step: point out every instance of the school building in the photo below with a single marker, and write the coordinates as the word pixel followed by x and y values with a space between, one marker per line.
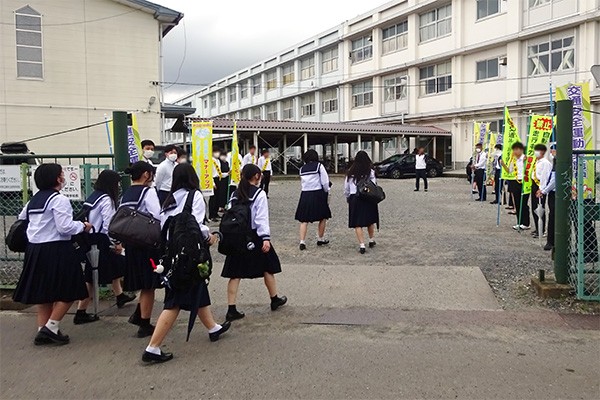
pixel 421 62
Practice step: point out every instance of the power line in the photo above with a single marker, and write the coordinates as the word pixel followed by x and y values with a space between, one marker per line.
pixel 184 55
pixel 71 23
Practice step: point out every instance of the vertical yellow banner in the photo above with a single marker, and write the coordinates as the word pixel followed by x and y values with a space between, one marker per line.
pixel 489 168
pixel 235 157
pixel 540 130
pixel 202 133
pixel 509 138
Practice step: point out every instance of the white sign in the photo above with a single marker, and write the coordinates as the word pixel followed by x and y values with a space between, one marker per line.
pixel 10 178
pixel 72 189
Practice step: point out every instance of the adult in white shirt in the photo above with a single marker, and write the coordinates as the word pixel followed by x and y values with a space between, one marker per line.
pixel 548 188
pixel 421 168
pixel 516 169
pixel 540 172
pixel 251 157
pixel 479 165
pixel 265 165
pixel 164 172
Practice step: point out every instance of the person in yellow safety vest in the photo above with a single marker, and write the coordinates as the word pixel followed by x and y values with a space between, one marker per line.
pixel 251 157
pixel 265 165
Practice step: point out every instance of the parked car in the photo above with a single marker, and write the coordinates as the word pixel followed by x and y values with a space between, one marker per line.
pixel 19 153
pixel 402 165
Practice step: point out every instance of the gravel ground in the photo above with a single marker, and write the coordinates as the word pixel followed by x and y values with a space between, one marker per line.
pixel 442 227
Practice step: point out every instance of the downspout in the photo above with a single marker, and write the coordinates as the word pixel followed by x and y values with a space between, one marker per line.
pixel 161 74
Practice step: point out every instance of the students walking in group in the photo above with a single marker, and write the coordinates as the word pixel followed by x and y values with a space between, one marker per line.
pixel 548 188
pixel 497 173
pixel 516 168
pixel 421 168
pixel 265 165
pixel 164 172
pixel 479 165
pixel 185 192
pixel 362 213
pixel 139 272
pixel 52 277
pixel 313 205
pixel 100 208
pixel 260 261
pixel 251 157
pixel 540 172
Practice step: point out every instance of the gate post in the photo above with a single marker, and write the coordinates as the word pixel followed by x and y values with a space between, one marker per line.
pixel 121 146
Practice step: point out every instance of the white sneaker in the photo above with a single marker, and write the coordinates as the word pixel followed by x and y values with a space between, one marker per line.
pixel 525 227
pixel 516 227
pixel 545 234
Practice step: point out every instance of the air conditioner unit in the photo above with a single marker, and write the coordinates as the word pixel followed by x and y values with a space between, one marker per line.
pixel 503 61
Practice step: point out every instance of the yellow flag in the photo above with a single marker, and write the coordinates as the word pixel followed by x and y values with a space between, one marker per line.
pixel 235 156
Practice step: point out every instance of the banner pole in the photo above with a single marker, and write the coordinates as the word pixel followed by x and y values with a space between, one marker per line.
pixel 472 161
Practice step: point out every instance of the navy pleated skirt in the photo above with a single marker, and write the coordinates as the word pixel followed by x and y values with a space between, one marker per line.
pixel 51 272
pixel 111 266
pixel 362 213
pixel 252 265
pixel 313 206
pixel 187 298
pixel 139 274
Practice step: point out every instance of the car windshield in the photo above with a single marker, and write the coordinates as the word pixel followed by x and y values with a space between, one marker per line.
pixel 392 159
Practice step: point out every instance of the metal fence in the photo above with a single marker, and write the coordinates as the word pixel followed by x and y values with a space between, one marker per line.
pixel 12 201
pixel 584 218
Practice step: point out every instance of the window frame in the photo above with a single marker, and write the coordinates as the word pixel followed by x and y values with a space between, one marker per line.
pixel 550 40
pixel 287 113
pixel 401 87
pixel 395 38
pixel 259 113
pixel 498 9
pixel 309 69
pixel 232 94
pixel 424 83
pixel 270 114
pixel 31 13
pixel 366 50
pixel 329 105
pixel 308 106
pixel 257 85
pixel 289 76
pixel 244 90
pixel 222 98
pixel 271 80
pixel 488 78
pixel 329 62
pixel 213 100
pixel 436 23
pixel 365 94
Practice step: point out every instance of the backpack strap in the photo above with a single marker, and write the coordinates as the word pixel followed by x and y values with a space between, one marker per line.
pixel 189 202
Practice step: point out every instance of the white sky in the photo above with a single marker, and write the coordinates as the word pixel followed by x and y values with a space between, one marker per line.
pixel 225 36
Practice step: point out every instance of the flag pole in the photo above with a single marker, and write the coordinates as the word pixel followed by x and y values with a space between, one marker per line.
pixel 501 187
pixel 472 161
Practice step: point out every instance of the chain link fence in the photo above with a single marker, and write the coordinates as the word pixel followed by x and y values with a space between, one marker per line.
pixel 584 216
pixel 17 187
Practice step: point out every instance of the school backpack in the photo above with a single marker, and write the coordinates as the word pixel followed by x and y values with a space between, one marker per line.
pixel 238 237
pixel 186 251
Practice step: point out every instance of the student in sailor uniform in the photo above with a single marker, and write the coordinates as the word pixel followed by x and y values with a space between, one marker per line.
pixel 218 183
pixel 139 273
pixel 185 181
pixel 313 205
pixel 224 186
pixel 164 172
pixel 101 207
pixel 51 276
pixel 262 261
pixel 251 157
pixel 540 172
pixel 265 165
pixel 362 213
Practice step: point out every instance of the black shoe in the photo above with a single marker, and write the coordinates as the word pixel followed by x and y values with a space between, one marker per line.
pixel 416 190
pixel 278 302
pixel 57 338
pixel 493 202
pixel 233 315
pixel 548 247
pixel 363 250
pixel 145 331
pixel 135 319
pixel 474 192
pixel 156 358
pixel 372 244
pixel 216 219
pixel 224 328
pixel 123 299
pixel 302 246
pixel 425 189
pixel 84 318
pixel 41 339
pixel 322 242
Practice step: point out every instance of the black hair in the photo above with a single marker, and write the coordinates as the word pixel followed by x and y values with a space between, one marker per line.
pixel 169 148
pixel 108 182
pixel 540 147
pixel 518 145
pixel 553 146
pixel 498 146
pixel 361 167
pixel 137 169
pixel 252 147
pixel 264 151
pixel 147 143
pixel 46 176
pixel 181 152
pixel 243 190
pixel 311 156
pixel 479 144
pixel 184 177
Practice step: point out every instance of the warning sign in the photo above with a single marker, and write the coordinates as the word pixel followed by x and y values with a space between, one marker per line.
pixel 10 178
pixel 72 188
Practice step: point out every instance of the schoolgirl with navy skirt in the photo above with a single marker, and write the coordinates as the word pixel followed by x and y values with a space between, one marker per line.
pixel 262 261
pixel 139 273
pixel 52 277
pixel 101 206
pixel 185 183
pixel 314 202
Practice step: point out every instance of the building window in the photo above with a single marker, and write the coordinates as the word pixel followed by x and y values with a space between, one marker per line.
pixel 288 109
pixel 551 55
pixel 497 126
pixel 222 98
pixel 537 3
pixel 232 94
pixel 243 90
pixel 271 80
pixel 436 23
pixel 362 94
pixel 256 85
pixel 395 87
pixel 28 24
pixel 485 8
pixel 272 111
pixel 329 101
pixel 288 74
pixel 395 37
pixel 213 100
pixel 436 78
pixel 205 102
pixel 362 49
pixel 330 60
pixel 488 69
pixel 308 105
pixel 256 113
pixel 243 114
pixel 307 68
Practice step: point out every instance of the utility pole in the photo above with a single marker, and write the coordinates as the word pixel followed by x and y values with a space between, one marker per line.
pixel 121 145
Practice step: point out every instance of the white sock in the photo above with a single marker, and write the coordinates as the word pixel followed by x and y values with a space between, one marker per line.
pixel 53 325
pixel 321 239
pixel 215 329
pixel 371 240
pixel 153 350
pixel 302 242
pixel 362 245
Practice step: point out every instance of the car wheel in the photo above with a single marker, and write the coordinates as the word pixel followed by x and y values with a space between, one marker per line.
pixel 396 174
pixel 433 172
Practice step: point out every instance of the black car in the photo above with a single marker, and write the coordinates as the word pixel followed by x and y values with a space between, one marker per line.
pixel 402 165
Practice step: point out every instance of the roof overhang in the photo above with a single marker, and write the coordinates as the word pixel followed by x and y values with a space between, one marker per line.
pixel 167 17
pixel 175 111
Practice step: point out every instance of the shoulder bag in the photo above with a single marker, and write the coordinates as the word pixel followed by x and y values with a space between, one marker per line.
pixel 135 228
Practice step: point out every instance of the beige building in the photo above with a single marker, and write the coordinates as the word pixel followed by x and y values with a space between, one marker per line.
pixel 69 63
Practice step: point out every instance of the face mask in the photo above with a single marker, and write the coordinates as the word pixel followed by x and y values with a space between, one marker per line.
pixel 148 153
pixel 216 155
pixel 63 184
pixel 537 154
pixel 183 161
pixel 172 157
pixel 223 158
pixel 498 153
pixel 478 150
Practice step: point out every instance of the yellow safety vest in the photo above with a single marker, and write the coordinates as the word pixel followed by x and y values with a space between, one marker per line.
pixel 218 169
pixel 266 164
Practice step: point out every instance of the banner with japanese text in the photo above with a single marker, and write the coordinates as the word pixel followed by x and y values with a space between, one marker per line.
pixel 489 168
pixel 540 131
pixel 509 138
pixel 134 144
pixel 480 134
pixel 235 157
pixel 202 133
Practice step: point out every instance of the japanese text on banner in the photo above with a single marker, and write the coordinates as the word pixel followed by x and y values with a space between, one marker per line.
pixel 509 138
pixel 540 131
pixel 202 133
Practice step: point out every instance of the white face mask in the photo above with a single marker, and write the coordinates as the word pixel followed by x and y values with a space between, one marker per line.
pixel 183 161
pixel 173 157
pixel 216 155
pixel 148 153
pixel 537 153
pixel 63 184
pixel 498 153
pixel 478 150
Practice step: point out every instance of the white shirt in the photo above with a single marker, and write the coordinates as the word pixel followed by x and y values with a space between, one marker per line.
pixel 149 161
pixel 551 186
pixel 249 159
pixel 261 164
pixel 217 169
pixel 497 158
pixel 150 204
pixel 259 212
pixel 54 222
pixel 480 160
pixel 198 209
pixel 350 184
pixel 420 161
pixel 543 169
pixel 164 175
pixel 314 178
pixel 101 214
pixel 519 165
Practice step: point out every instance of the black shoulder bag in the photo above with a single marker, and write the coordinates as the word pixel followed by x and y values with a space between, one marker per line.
pixel 135 228
pixel 370 191
pixel 16 240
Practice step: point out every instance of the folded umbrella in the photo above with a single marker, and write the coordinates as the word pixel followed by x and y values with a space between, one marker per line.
pixel 93 256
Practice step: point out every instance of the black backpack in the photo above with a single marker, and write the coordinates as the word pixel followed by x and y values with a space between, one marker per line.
pixel 238 237
pixel 186 250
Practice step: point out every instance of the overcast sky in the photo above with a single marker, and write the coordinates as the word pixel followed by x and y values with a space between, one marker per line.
pixel 225 36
